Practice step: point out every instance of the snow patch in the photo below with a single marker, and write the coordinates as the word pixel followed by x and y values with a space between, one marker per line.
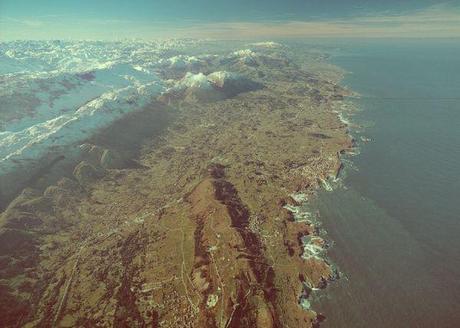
pixel 267 44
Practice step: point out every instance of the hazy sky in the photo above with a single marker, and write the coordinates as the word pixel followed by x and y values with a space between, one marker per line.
pixel 230 19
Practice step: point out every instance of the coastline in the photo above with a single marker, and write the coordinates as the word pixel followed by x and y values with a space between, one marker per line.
pixel 244 158
pixel 388 220
pixel 317 244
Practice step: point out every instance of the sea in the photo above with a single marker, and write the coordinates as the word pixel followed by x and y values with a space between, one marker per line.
pixel 393 219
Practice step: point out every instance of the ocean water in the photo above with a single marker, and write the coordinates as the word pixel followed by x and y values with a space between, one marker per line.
pixel 395 221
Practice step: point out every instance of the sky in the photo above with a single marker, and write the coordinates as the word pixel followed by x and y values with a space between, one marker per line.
pixel 230 19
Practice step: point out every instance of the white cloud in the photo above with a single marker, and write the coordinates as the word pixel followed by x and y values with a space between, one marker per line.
pixel 436 21
pixel 25 22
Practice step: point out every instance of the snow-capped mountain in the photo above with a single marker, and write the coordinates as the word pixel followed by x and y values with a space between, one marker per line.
pixel 47 109
pixel 56 94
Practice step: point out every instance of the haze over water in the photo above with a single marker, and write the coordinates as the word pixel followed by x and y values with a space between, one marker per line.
pixel 396 227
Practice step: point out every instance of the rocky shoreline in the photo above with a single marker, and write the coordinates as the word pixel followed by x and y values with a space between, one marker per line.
pixel 202 226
